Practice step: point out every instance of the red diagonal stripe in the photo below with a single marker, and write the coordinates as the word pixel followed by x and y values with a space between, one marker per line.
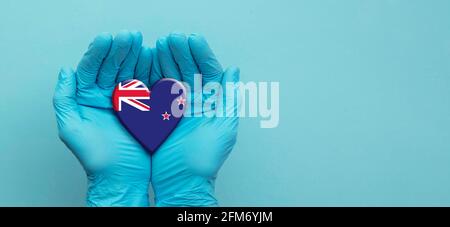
pixel 140 104
pixel 132 93
pixel 130 84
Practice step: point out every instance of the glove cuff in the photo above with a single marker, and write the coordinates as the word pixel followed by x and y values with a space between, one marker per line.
pixel 106 193
pixel 188 199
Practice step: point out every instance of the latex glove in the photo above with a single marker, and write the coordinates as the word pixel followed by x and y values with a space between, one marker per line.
pixel 117 167
pixel 184 168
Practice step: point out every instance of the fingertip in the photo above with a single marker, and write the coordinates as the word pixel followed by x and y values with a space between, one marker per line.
pixel 177 39
pixel 235 69
pixel 161 43
pixel 136 33
pixel 145 56
pixel 177 35
pixel 236 73
pixel 197 39
pixel 146 51
pixel 177 32
pixel 101 43
pixel 137 43
pixel 193 35
pixel 123 31
pixel 232 74
pixel 205 58
pixel 124 38
pixel 65 72
pixel 137 36
pixel 103 38
pixel 66 84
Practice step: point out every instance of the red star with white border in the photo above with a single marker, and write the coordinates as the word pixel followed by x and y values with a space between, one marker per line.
pixel 166 116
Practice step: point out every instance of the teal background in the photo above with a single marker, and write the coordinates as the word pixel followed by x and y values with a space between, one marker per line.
pixel 365 86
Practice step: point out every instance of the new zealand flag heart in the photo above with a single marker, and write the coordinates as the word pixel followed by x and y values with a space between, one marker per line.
pixel 150 116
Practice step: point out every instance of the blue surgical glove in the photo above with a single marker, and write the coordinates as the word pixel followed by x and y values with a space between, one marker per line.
pixel 185 167
pixel 117 167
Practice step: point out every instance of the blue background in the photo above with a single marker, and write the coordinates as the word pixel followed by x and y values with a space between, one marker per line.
pixel 365 86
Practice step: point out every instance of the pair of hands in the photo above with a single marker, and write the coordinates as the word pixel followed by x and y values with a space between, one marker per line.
pixel 183 170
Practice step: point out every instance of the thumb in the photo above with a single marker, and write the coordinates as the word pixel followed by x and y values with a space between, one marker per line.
pixel 64 99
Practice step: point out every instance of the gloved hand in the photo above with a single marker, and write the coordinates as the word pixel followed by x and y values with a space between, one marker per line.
pixel 184 168
pixel 117 167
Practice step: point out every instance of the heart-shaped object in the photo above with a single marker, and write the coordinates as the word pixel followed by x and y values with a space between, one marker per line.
pixel 150 116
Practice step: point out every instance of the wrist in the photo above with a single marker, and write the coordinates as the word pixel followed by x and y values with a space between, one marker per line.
pixel 193 199
pixel 107 192
pixel 186 194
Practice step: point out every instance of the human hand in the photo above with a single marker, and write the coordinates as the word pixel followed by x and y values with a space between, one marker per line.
pixel 117 167
pixel 185 167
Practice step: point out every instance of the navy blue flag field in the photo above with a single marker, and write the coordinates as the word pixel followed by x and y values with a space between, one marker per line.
pixel 150 116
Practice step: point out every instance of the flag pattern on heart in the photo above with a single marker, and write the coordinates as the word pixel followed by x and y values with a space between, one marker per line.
pixel 150 116
pixel 130 92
